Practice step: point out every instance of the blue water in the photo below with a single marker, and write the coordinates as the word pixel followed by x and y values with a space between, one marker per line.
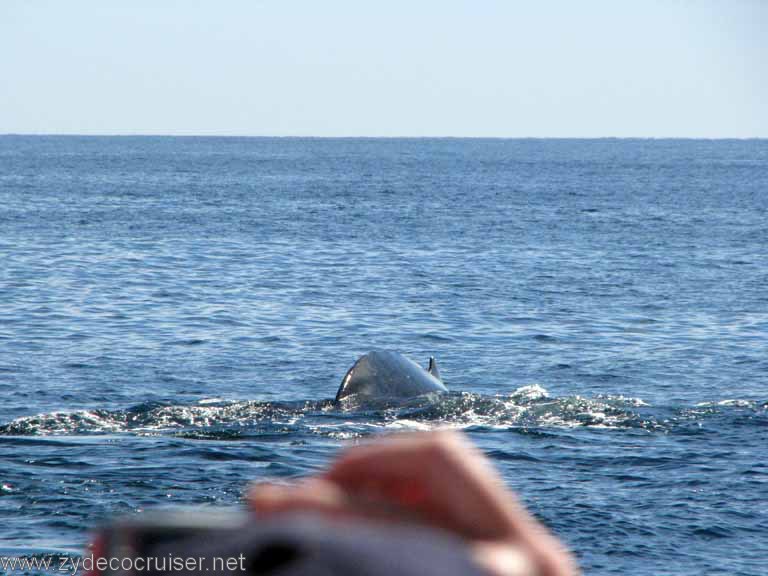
pixel 177 313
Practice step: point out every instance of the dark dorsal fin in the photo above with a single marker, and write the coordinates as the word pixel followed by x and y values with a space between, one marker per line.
pixel 433 368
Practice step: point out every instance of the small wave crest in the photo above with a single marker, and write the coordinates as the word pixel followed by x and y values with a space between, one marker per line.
pixel 526 407
pixel 159 417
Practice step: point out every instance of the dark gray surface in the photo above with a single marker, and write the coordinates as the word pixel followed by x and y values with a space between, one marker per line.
pixel 308 545
pixel 382 374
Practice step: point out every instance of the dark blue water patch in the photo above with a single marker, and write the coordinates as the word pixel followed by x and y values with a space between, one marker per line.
pixel 597 308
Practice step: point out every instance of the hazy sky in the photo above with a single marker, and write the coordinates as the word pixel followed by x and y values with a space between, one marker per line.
pixel 566 68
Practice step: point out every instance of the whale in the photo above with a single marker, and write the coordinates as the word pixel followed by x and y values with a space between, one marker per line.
pixel 386 375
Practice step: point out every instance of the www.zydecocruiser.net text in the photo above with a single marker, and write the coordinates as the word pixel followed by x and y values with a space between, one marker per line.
pixel 75 565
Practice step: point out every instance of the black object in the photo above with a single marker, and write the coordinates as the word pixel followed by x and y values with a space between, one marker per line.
pixel 187 544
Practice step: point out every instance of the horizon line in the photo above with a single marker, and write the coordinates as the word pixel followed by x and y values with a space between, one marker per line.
pixel 361 137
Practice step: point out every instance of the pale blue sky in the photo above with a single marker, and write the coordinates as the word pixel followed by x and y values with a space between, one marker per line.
pixel 548 68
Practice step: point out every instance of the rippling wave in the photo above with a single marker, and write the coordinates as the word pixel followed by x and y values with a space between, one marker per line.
pixel 526 407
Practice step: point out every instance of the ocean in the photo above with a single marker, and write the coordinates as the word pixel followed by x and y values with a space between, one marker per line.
pixel 176 314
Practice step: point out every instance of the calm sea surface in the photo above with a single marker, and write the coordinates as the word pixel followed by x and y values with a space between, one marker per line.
pixel 177 313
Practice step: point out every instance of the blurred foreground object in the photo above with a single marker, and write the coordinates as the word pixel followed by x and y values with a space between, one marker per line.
pixel 436 479
pixel 207 542
pixel 409 504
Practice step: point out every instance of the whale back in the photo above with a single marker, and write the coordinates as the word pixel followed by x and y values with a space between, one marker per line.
pixel 381 374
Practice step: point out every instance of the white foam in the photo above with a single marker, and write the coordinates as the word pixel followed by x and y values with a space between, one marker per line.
pixel 530 393
pixel 205 401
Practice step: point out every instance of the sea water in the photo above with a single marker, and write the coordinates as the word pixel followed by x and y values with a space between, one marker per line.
pixel 177 313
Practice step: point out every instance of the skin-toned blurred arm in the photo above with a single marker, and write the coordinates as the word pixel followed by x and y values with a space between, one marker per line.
pixel 437 478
